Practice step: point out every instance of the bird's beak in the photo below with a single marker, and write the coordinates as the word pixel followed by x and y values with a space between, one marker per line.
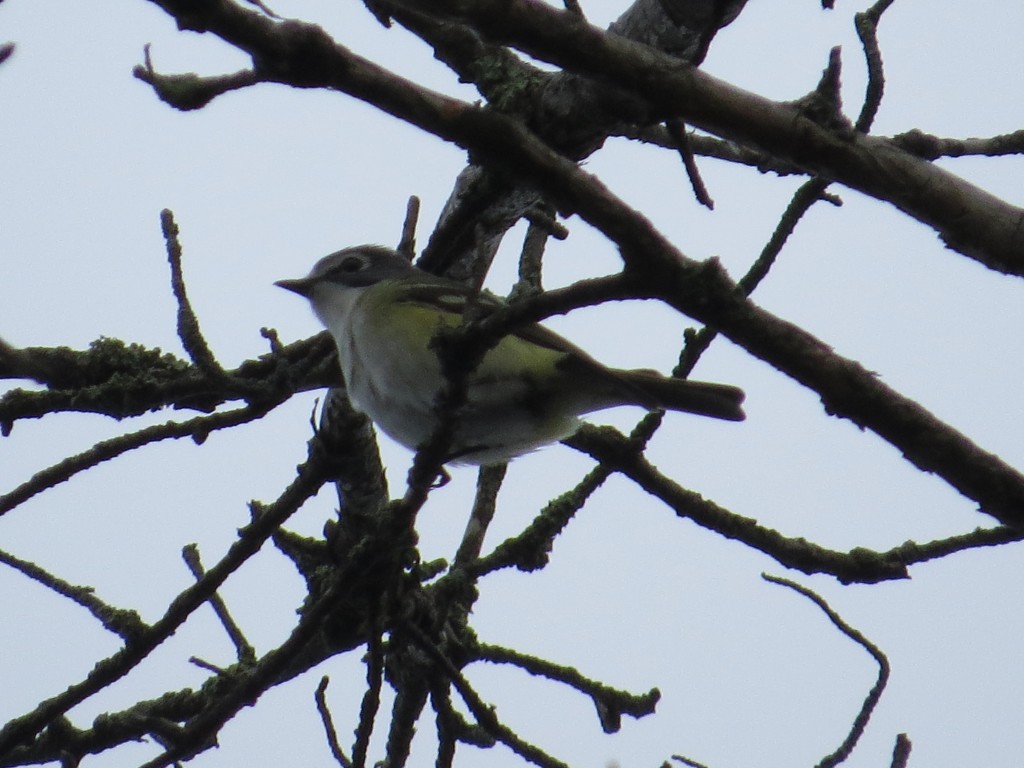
pixel 302 286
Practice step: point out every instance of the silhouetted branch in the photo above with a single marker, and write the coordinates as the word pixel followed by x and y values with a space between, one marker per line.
pixel 125 624
pixel 867 30
pixel 871 700
pixel 930 147
pixel 609 702
pixel 484 714
pixel 901 752
pixel 244 651
pixel 616 452
pixel 189 91
pixel 656 268
pixel 105 450
pixel 191 336
pixel 107 671
pixel 677 130
pixel 967 218
pixel 328 722
pixel 121 380
pixel 488 484
pixel 371 698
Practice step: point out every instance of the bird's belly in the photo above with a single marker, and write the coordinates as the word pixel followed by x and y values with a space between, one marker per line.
pixel 398 389
pixel 395 392
pixel 487 428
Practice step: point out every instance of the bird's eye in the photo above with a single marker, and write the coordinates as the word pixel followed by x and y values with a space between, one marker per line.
pixel 351 264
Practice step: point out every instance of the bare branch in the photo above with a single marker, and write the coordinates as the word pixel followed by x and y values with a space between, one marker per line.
pixel 616 452
pixel 484 714
pixel 871 700
pixel 111 669
pixel 701 290
pixel 197 428
pixel 967 218
pixel 371 698
pixel 328 722
pixel 120 380
pixel 126 624
pixel 677 130
pixel 933 147
pixel 191 336
pixel 245 653
pixel 191 91
pixel 407 243
pixel 901 752
pixel 488 484
pixel 867 30
pixel 529 550
pixel 809 193
pixel 610 703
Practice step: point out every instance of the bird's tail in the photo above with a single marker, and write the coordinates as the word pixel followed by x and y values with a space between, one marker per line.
pixel 720 401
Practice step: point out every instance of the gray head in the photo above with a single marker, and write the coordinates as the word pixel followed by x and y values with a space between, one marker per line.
pixel 355 267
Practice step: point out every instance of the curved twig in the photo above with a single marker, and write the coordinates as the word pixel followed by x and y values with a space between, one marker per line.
pixel 871 700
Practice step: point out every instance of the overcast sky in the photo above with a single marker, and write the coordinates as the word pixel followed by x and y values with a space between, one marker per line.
pixel 265 181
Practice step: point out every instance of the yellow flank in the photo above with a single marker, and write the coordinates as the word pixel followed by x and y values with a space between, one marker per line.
pixel 512 357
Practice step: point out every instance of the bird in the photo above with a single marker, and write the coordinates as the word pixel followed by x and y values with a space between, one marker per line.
pixel 529 390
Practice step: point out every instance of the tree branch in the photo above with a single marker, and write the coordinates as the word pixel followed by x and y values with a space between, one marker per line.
pixel 969 220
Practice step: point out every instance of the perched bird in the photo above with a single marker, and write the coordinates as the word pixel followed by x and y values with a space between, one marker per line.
pixel 529 389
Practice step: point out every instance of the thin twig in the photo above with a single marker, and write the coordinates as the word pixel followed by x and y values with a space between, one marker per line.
pixel 371 699
pixel 207 665
pixel 688 761
pixel 444 721
pixel 931 147
pixel 809 193
pixel 191 91
pixel 901 752
pixel 407 242
pixel 328 723
pixel 529 550
pixel 610 703
pixel 198 427
pixel 710 146
pixel 871 700
pixel 244 650
pixel 188 324
pixel 531 264
pixel 487 486
pixel 543 216
pixel 910 552
pixel 125 624
pixel 452 726
pixel 677 130
pixel 867 30
pixel 107 671
pixel 617 452
pixel 242 690
pixel 484 713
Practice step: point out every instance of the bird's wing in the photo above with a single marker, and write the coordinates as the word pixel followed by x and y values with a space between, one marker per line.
pixel 532 345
